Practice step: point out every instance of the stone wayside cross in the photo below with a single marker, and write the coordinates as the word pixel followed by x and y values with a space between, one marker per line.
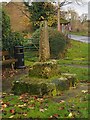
pixel 44 49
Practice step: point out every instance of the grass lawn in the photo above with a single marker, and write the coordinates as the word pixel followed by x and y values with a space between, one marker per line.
pixel 77 51
pixel 77 54
pixel 81 73
pixel 83 33
pixel 26 106
pixel 77 57
pixel 74 105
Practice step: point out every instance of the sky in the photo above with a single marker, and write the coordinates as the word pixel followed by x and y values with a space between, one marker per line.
pixel 80 9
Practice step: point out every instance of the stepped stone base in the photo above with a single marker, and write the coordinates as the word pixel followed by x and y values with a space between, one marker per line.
pixel 51 87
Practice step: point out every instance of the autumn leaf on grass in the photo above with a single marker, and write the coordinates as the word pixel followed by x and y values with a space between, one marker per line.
pixel 45 109
pixel 55 116
pixel 4 105
pixel 25 101
pixel 35 97
pixel 25 114
pixel 4 93
pixel 11 116
pixel 4 112
pixel 46 105
pixel 40 100
pixel 11 94
pixel 8 104
pixel 41 110
pixel 61 101
pixel 12 111
pixel 20 98
pixel 70 115
pixel 31 106
pixel 1 102
pixel 61 108
pixel 84 91
pixel 22 105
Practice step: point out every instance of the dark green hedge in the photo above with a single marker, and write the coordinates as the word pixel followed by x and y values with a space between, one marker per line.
pixel 57 40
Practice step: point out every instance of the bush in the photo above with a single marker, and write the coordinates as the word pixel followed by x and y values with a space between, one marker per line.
pixel 9 38
pixel 57 41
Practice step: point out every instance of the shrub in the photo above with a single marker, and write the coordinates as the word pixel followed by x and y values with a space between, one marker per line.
pixel 9 38
pixel 57 41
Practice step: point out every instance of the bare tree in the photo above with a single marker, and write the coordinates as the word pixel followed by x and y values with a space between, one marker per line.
pixel 60 4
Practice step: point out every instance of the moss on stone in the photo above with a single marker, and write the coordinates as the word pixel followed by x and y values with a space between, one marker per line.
pixel 44 69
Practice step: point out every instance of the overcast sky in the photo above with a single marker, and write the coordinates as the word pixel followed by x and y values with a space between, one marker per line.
pixel 83 8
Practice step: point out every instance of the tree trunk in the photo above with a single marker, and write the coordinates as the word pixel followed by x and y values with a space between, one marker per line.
pixel 58 18
pixel 44 49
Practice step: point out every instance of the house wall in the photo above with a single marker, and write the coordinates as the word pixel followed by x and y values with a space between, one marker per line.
pixel 19 21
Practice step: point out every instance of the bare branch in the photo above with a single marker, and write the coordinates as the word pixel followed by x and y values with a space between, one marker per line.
pixel 79 2
pixel 65 3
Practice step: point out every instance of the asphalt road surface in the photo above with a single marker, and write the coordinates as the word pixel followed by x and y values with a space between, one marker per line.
pixel 85 39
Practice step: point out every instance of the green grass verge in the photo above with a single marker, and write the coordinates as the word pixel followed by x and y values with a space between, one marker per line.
pixel 83 33
pixel 81 73
pixel 26 106
pixel 73 62
pixel 77 51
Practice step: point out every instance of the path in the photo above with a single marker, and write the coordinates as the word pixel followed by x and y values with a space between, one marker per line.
pixel 72 92
pixel 77 66
pixel 80 38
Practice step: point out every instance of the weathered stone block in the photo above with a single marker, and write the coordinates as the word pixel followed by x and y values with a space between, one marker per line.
pixel 44 69
pixel 40 88
pixel 61 83
pixel 71 78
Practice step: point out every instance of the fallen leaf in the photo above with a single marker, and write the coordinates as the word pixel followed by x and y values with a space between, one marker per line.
pixel 61 108
pixel 84 91
pixel 41 110
pixel 45 109
pixel 4 105
pixel 8 104
pixel 35 97
pixel 61 101
pixel 4 112
pixel 56 115
pixel 20 98
pixel 46 105
pixel 22 105
pixel 51 116
pixel 11 116
pixel 25 114
pixel 31 107
pixel 4 93
pixel 11 94
pixel 12 111
pixel 70 115
pixel 1 101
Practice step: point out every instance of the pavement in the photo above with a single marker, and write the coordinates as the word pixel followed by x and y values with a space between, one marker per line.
pixel 84 39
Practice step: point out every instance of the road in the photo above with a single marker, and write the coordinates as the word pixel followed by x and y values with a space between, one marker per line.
pixel 85 39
